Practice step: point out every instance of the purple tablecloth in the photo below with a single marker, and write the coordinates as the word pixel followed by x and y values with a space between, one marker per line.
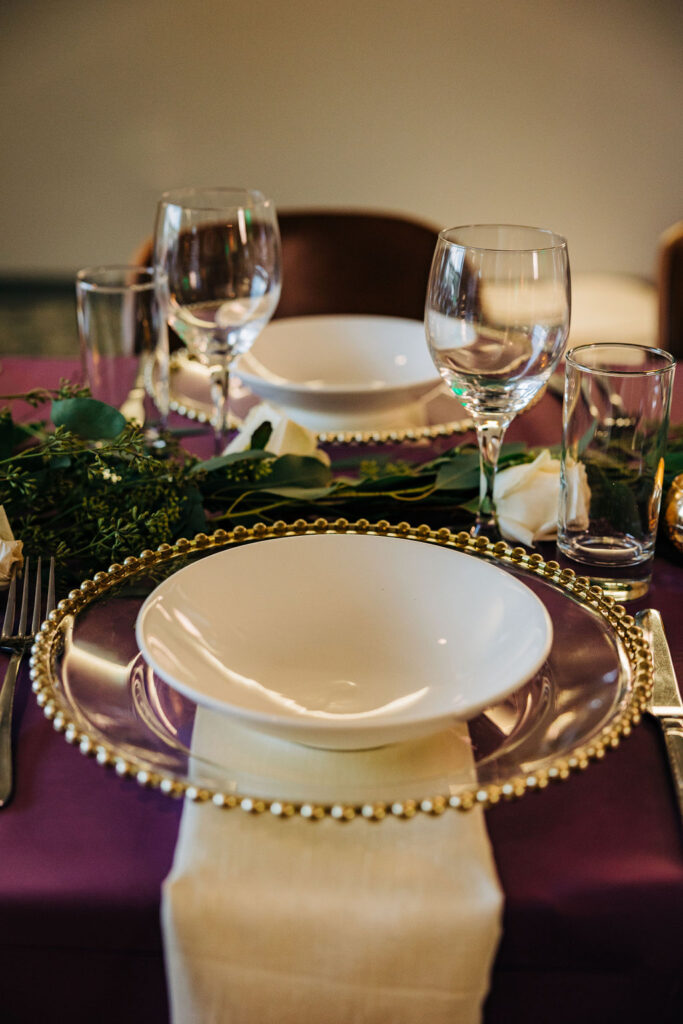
pixel 591 868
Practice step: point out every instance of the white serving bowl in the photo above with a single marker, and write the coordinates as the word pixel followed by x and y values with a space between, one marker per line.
pixel 344 641
pixel 341 372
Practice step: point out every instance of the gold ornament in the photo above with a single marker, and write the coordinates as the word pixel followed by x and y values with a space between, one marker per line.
pixel 673 512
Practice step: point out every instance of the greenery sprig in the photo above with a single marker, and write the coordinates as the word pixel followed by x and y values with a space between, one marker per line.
pixel 92 488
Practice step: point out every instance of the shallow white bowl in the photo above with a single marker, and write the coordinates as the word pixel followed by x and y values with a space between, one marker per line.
pixel 344 641
pixel 329 372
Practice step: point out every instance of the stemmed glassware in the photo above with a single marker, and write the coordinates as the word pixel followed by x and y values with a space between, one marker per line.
pixel 218 268
pixel 496 319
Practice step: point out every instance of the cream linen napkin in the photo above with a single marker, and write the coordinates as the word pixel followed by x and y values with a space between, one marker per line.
pixel 266 920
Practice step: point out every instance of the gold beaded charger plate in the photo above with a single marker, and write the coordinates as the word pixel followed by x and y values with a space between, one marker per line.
pixel 95 686
pixel 189 394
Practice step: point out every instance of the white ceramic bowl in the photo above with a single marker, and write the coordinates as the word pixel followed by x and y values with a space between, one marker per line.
pixel 329 372
pixel 344 641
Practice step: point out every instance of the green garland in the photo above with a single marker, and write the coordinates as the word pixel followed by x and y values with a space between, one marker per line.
pixel 92 488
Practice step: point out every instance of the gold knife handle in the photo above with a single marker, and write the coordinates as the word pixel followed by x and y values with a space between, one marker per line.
pixel 673 737
pixel 6 752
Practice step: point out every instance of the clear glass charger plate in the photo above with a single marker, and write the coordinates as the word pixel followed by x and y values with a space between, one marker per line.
pixel 93 683
pixel 189 396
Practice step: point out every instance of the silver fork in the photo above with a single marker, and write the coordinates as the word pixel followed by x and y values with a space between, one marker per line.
pixel 18 642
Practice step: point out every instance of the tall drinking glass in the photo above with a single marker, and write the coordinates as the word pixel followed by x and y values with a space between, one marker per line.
pixel 617 400
pixel 218 268
pixel 496 319
pixel 118 326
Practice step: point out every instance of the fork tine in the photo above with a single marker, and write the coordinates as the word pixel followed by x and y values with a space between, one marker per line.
pixel 50 589
pixel 24 600
pixel 20 642
pixel 10 607
pixel 36 620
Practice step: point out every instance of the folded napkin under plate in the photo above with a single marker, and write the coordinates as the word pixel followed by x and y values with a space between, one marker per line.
pixel 274 921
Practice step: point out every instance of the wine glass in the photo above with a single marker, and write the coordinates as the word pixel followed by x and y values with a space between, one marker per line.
pixel 218 267
pixel 496 319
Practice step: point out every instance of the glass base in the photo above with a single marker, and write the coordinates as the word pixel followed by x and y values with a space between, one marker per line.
pixel 485 527
pixel 621 589
pixel 623 582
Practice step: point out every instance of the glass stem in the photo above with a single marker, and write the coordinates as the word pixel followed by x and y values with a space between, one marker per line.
pixel 490 435
pixel 220 392
pixel 163 397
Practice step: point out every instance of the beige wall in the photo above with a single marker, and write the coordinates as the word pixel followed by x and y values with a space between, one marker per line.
pixel 563 113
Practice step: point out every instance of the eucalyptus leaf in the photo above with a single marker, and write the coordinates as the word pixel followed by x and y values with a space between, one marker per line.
pixel 303 493
pixel 223 461
pixel 613 499
pixel 88 418
pixel 193 516
pixel 517 451
pixel 349 481
pixel 393 482
pixel 462 474
pixel 674 464
pixel 261 436
pixel 471 506
pixel 11 436
pixel 297 471
pixel 622 509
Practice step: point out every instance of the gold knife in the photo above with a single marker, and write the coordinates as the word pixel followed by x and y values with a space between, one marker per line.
pixel 665 704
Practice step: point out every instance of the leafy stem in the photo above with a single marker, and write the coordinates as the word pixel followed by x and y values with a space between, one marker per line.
pixel 92 489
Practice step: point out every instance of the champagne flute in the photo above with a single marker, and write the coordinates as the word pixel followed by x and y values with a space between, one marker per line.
pixel 496 319
pixel 218 268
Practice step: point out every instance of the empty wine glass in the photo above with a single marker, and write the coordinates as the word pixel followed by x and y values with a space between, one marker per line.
pixel 218 268
pixel 496 319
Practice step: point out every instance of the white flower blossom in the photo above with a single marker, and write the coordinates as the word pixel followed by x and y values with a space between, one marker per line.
pixel 527 499
pixel 10 550
pixel 287 438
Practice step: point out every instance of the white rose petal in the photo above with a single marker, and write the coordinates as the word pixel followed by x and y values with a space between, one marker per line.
pixel 256 417
pixel 10 550
pixel 527 500
pixel 287 437
pixel 290 438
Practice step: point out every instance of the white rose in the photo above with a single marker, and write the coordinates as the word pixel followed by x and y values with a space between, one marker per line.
pixel 287 438
pixel 527 499
pixel 10 550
